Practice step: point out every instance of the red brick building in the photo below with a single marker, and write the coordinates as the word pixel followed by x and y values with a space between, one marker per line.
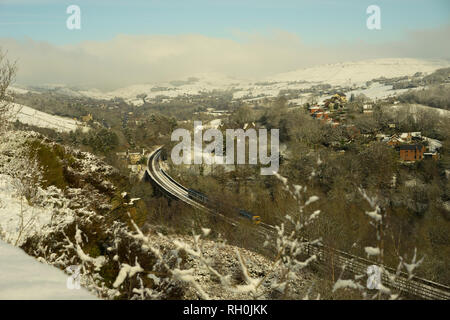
pixel 411 152
pixel 314 109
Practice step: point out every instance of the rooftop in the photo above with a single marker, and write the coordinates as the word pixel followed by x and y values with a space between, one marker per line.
pixel 411 146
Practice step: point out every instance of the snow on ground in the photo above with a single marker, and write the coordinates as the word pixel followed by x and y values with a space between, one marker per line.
pixel 46 211
pixel 354 73
pixel 226 262
pixel 18 90
pixel 202 83
pixel 215 123
pixel 304 98
pixel 359 72
pixel 374 91
pixel 41 119
pixel 433 144
pixel 379 91
pixel 414 108
pixel 18 220
pixel 23 277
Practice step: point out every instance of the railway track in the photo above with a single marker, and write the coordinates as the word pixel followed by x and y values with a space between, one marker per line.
pixel 416 287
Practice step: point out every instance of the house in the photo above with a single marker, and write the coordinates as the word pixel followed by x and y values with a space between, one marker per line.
pixel 335 101
pixel 408 136
pixel 434 145
pixel 131 157
pixel 321 115
pixel 394 140
pixel 431 155
pixel 381 137
pixel 411 152
pixel 340 96
pixel 367 108
pixel 134 157
pixel 314 109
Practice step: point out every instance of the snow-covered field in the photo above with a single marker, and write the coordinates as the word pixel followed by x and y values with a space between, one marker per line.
pixel 171 89
pixel 41 119
pixel 359 72
pixel 414 108
pixel 23 277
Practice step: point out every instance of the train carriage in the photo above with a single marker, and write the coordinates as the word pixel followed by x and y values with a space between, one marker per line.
pixel 254 218
pixel 197 195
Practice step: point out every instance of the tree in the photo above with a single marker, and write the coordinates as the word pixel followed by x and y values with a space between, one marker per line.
pixel 313 99
pixel 7 75
pixel 102 140
pixel 243 115
pixel 142 96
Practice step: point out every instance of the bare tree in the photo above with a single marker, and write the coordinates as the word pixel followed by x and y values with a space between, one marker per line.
pixel 8 71
pixel 142 96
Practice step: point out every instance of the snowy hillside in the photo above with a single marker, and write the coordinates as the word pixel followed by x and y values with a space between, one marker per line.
pixel 14 209
pixel 415 108
pixel 41 119
pixel 355 73
pixel 349 73
pixel 74 226
pixel 23 277
pixel 190 86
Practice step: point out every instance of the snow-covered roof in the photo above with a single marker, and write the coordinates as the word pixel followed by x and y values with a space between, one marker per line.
pixel 433 144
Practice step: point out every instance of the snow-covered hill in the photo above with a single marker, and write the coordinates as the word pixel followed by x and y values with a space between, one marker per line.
pixel 348 74
pixel 343 74
pixel 416 108
pixel 358 72
pixel 41 119
pixel 73 225
pixel 189 86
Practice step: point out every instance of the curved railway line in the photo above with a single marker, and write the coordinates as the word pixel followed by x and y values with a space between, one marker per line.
pixel 415 287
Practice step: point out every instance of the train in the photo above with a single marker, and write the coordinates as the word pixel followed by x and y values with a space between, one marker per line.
pixel 254 218
pixel 203 198
pixel 198 196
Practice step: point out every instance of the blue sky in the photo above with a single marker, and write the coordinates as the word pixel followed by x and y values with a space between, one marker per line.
pixel 315 22
pixel 125 42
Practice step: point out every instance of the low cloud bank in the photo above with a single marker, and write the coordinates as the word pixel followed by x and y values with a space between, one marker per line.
pixel 132 59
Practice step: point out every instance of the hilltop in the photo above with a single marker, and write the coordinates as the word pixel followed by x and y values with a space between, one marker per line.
pixel 352 74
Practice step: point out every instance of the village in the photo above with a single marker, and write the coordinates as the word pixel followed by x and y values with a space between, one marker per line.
pixel 135 161
pixel 411 146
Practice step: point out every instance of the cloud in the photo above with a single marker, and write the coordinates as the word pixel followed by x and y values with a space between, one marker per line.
pixel 131 59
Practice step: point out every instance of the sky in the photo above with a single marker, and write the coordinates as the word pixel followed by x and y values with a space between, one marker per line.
pixel 157 40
